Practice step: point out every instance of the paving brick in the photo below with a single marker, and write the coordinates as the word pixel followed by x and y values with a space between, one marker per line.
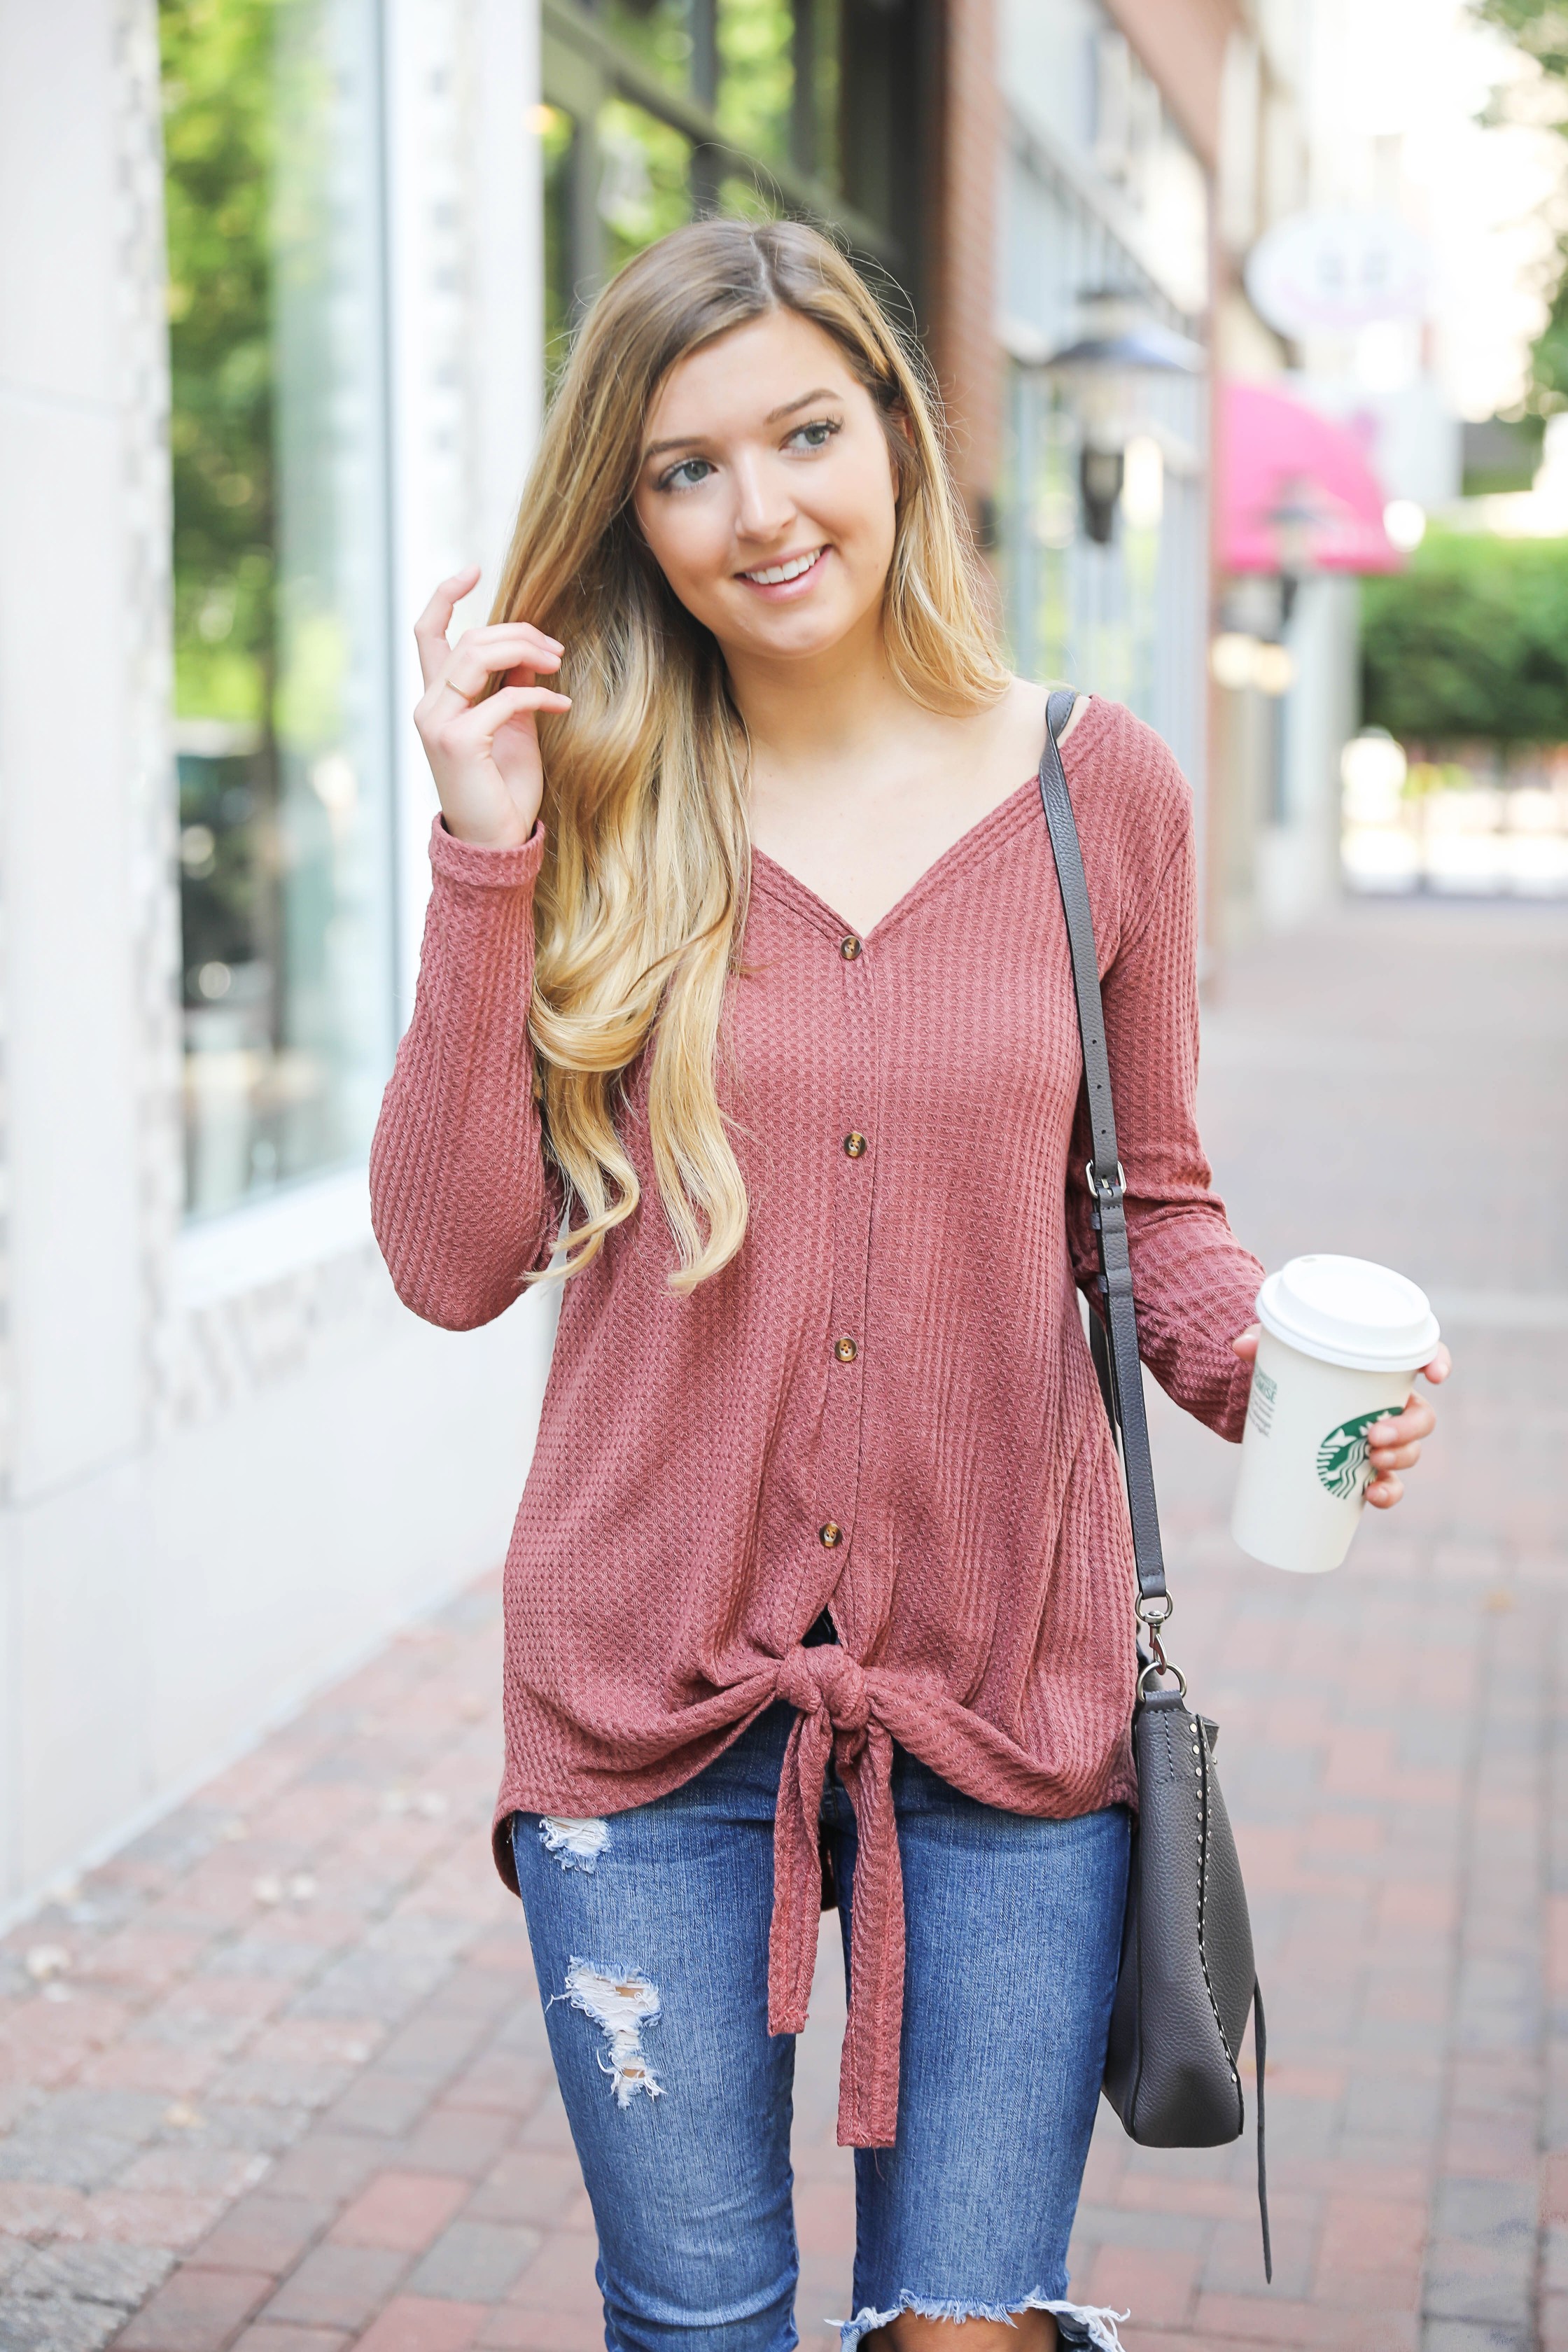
pixel 402 2211
pixel 412 2325
pixel 476 2260
pixel 1155 2283
pixel 327 2164
pixel 143 1960
pixel 81 2137
pixel 1479 2283
pixel 267 2336
pixel 56 2324
pixel 515 2328
pixel 197 2310
pixel 43 2042
pixel 37 2208
pixel 561 2276
pixel 389 2104
pixel 1221 2320
pixel 1475 2335
pixel 432 2044
pixel 260 2081
pixel 94 2273
pixel 503 2080
pixel 825 2218
pixel 337 2286
pixel 524 2185
pixel 201 2168
pixel 464 2140
pixel 140 2066
pixel 267 2232
pixel 175 2218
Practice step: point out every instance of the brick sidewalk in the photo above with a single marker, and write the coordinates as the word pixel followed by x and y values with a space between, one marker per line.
pixel 275 2077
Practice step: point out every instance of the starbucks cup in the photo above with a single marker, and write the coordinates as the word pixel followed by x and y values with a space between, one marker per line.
pixel 1339 1341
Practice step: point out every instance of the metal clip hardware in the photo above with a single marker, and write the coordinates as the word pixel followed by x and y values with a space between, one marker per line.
pixel 1103 1188
pixel 1159 1662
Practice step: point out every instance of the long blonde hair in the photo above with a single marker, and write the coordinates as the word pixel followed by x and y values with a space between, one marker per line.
pixel 641 898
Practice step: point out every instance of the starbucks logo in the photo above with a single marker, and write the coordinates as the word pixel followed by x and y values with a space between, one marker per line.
pixel 1342 1458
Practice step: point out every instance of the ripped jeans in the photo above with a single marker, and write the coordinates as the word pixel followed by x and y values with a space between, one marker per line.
pixel 650 1942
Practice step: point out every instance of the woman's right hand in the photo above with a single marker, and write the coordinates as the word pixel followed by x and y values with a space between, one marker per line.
pixel 484 755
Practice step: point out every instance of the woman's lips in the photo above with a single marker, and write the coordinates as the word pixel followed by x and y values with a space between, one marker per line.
pixel 778 592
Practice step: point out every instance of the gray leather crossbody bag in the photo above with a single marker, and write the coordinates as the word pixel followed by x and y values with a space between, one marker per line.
pixel 1187 1979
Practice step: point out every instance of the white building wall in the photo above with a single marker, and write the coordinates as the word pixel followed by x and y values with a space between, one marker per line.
pixel 231 1461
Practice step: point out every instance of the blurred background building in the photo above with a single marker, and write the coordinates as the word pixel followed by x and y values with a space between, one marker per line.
pixel 282 284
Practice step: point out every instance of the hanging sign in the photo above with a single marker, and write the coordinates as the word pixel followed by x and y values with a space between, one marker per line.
pixel 1333 272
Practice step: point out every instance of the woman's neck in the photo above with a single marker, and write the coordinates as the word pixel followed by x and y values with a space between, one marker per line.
pixel 809 717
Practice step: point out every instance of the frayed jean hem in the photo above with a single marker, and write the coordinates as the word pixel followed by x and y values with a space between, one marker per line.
pixel 1099 2325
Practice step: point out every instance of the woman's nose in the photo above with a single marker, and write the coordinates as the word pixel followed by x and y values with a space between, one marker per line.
pixel 763 506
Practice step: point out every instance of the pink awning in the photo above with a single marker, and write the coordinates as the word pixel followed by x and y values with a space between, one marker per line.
pixel 1291 475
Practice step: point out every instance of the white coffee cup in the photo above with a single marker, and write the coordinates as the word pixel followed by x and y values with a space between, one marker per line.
pixel 1341 1339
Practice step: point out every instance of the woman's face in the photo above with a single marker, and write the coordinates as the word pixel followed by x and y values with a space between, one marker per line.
pixel 766 490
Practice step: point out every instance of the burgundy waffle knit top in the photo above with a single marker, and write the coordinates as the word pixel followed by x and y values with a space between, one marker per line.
pixel 884 1405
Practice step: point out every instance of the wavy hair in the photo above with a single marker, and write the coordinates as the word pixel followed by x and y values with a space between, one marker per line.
pixel 641 898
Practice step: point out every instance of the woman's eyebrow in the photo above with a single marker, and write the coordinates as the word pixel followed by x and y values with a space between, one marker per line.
pixel 821 393
pixel 685 440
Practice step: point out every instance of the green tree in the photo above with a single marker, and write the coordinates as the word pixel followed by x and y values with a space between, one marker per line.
pixel 217 137
pixel 1539 27
pixel 1471 643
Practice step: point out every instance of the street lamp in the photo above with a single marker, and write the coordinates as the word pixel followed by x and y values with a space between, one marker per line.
pixel 1101 372
pixel 1294 523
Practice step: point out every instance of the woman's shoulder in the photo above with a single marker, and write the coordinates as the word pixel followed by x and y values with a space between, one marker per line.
pixel 1125 780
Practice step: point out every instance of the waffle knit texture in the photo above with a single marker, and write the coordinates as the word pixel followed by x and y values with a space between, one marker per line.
pixel 667 1554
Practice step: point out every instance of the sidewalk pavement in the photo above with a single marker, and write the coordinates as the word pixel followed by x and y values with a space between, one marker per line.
pixel 275 2077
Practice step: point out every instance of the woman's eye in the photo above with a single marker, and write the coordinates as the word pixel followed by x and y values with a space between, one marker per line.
pixel 814 437
pixel 687 475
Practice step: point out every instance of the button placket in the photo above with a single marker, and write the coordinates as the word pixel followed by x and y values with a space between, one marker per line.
pixel 844 1405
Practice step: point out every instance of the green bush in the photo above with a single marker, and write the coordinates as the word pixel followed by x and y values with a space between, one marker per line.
pixel 1471 643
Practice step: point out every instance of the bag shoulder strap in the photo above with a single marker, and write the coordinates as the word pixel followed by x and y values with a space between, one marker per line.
pixel 1120 1367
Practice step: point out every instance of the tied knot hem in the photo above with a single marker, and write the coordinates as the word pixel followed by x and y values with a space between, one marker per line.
pixel 826 1680
pixel 836 1719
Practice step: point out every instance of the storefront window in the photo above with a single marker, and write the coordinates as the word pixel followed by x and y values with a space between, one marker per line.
pixel 658 34
pixel 658 111
pixel 645 185
pixel 280 565
pixel 756 75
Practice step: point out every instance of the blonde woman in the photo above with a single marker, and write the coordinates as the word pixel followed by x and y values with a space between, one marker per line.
pixel 746 1005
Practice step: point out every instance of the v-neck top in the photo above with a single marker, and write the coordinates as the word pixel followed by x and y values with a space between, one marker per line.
pixel 884 1407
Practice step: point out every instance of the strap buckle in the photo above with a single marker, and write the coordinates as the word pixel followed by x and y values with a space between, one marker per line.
pixel 1104 1188
pixel 1159 1664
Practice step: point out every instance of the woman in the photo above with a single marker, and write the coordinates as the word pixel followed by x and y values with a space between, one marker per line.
pixel 745 1008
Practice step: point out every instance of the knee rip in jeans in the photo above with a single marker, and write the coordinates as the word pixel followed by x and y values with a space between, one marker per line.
pixel 1085 2324
pixel 620 2006
pixel 576 1845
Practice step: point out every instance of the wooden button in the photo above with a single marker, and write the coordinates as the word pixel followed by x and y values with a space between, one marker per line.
pixel 854 1145
pixel 846 1350
pixel 830 1536
pixel 849 949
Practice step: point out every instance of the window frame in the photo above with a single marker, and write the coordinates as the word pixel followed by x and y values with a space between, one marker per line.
pixel 582 65
pixel 268 1231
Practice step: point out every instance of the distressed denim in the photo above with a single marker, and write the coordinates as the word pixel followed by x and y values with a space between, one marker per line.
pixel 650 1941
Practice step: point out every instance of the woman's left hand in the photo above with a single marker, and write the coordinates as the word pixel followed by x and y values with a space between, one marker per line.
pixel 1394 1444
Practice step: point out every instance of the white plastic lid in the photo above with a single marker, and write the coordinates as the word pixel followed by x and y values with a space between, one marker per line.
pixel 1345 1310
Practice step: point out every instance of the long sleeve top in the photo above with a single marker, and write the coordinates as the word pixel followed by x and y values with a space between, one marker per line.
pixel 884 1406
